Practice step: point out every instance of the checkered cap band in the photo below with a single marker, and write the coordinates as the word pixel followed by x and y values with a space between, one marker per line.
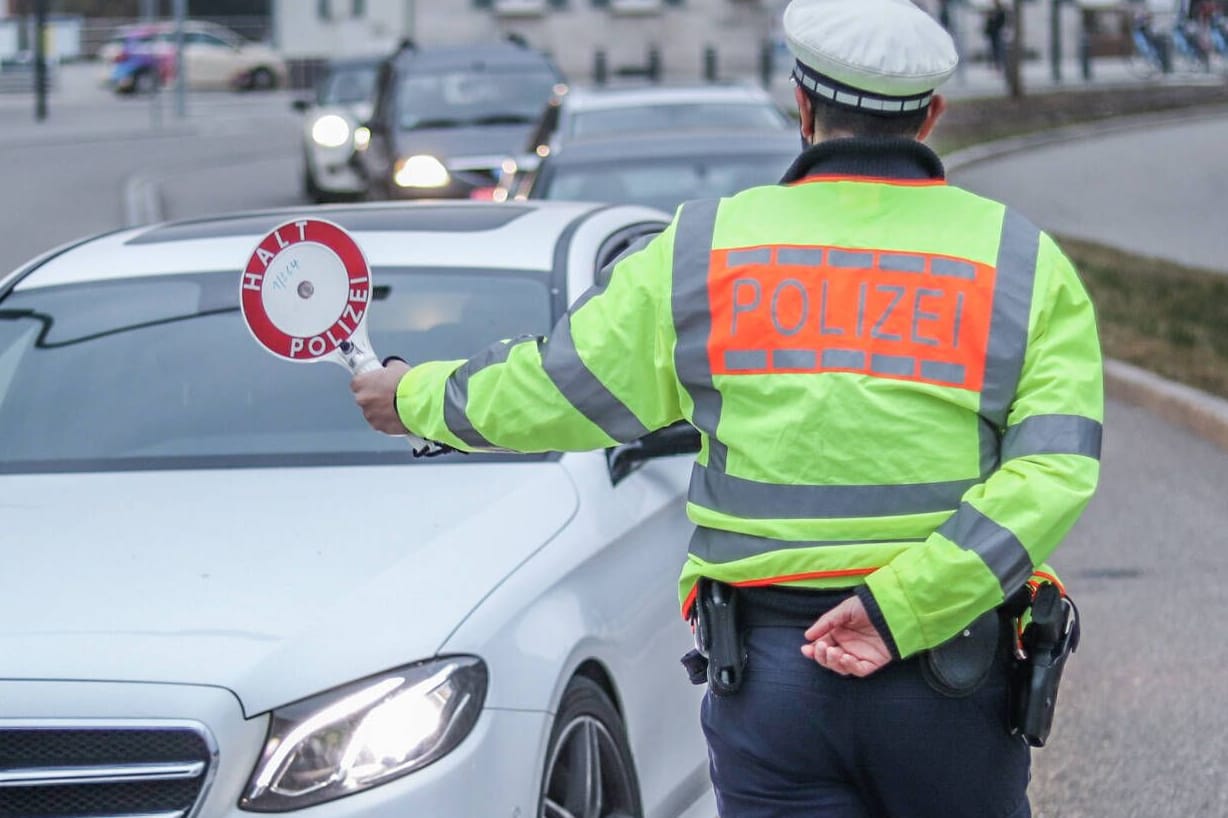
pixel 824 87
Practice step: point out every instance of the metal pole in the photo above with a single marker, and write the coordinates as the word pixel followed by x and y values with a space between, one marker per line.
pixel 181 104
pixel 40 60
pixel 1055 39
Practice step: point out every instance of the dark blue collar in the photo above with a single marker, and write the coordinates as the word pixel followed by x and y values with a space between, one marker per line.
pixel 873 156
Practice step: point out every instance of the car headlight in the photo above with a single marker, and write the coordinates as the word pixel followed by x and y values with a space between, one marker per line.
pixel 330 131
pixel 362 137
pixel 421 171
pixel 366 733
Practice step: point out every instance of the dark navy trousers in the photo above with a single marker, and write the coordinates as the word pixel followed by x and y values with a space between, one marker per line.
pixel 799 740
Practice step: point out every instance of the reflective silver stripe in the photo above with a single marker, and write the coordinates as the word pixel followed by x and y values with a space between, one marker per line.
pixel 952 268
pixel 113 774
pixel 893 364
pixel 693 319
pixel 997 546
pixel 943 372
pixel 1012 305
pixel 898 263
pixel 456 392
pixel 844 359
pixel 1052 434
pixel 845 258
pixel 750 499
pixel 807 256
pixel 711 545
pixel 741 258
pixel 793 358
pixel 745 360
pixel 584 390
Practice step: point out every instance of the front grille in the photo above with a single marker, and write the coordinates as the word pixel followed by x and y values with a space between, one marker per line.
pixel 58 769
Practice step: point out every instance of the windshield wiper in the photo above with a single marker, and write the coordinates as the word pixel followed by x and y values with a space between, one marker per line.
pixel 503 119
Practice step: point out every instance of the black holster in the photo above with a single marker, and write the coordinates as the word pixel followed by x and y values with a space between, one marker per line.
pixel 1047 641
pixel 720 654
pixel 958 667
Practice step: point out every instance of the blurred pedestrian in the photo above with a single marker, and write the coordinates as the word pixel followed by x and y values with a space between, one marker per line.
pixel 995 33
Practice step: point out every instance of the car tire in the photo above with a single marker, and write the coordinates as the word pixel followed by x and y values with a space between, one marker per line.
pixel 589 769
pixel 146 82
pixel 261 79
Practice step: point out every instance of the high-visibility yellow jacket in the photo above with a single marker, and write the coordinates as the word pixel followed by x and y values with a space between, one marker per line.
pixel 898 385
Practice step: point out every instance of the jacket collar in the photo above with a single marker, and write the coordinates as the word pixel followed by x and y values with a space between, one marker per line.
pixel 875 157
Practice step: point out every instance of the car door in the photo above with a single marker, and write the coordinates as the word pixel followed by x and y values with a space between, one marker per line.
pixel 210 62
pixel 643 513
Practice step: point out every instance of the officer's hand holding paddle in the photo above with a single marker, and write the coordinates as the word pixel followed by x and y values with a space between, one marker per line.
pixel 376 394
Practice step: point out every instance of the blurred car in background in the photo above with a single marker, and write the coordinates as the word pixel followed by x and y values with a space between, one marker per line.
pixel 661 170
pixel 214 57
pixel 344 99
pixel 596 113
pixel 258 605
pixel 446 118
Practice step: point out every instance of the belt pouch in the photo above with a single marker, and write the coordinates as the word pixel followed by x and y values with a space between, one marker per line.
pixel 959 666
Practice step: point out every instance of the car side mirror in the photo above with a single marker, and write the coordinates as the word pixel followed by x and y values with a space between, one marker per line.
pixel 680 438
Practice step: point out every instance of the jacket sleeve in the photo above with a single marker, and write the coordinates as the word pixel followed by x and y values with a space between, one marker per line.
pixel 1008 525
pixel 604 376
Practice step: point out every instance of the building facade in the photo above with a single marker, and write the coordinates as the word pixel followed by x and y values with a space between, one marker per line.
pixel 687 39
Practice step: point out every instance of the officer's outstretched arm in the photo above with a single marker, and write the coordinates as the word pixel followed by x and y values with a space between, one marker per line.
pixel 1008 525
pixel 604 376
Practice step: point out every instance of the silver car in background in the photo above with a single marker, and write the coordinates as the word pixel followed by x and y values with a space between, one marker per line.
pixel 343 100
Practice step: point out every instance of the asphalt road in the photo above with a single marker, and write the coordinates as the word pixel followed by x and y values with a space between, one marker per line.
pixel 1142 731
pixel 1157 191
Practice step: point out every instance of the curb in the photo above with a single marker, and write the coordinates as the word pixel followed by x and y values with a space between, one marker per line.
pixel 1202 413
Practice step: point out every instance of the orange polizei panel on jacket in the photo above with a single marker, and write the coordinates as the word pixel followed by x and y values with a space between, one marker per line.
pixel 885 313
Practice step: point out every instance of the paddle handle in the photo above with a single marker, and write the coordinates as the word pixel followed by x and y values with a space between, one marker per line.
pixel 360 360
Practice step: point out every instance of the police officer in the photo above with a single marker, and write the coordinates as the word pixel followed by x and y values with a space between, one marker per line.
pixel 898 388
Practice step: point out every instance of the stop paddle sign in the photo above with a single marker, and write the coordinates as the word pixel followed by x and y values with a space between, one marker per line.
pixel 304 295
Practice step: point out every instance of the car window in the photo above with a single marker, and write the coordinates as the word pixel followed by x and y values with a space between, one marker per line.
pixel 346 86
pixel 681 116
pixel 461 98
pixel 662 183
pixel 201 38
pixel 140 373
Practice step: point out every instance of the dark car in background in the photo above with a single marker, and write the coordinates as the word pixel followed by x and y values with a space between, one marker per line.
pixel 662 170
pixel 446 118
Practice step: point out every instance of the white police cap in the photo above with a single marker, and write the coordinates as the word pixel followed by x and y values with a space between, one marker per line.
pixel 880 56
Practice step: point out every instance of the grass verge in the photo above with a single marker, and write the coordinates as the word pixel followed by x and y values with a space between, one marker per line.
pixel 1156 314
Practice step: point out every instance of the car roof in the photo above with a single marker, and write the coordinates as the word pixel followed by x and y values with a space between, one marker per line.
pixel 475 56
pixel 520 236
pixel 716 142
pixel 588 98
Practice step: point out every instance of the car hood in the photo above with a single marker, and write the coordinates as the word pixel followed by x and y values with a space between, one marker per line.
pixel 450 143
pixel 275 584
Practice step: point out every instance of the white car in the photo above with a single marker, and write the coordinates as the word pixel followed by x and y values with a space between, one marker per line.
pixel 214 58
pixel 343 100
pixel 222 593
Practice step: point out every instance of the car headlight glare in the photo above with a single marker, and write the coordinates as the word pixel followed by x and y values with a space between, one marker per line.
pixel 366 733
pixel 421 171
pixel 362 137
pixel 330 131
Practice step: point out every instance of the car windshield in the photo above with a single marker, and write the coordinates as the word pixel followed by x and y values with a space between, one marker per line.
pixel 347 86
pixel 459 98
pixel 161 372
pixel 675 116
pixel 660 183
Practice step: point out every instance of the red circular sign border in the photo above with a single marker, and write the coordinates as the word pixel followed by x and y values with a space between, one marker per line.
pixel 297 231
